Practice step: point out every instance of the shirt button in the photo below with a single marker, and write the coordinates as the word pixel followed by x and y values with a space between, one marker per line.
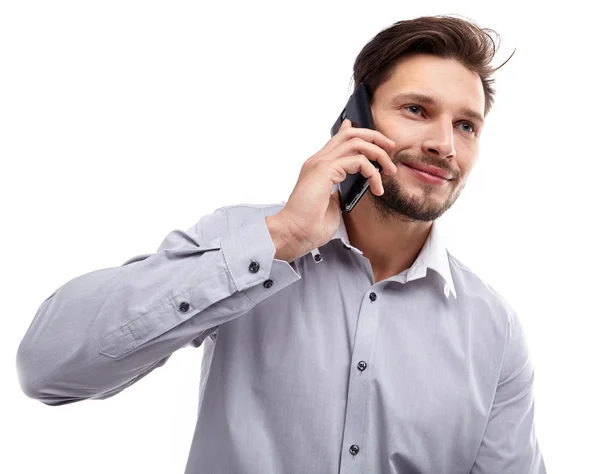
pixel 354 450
pixel 254 266
pixel 373 296
pixel 268 284
pixel 318 257
pixel 183 307
pixel 362 365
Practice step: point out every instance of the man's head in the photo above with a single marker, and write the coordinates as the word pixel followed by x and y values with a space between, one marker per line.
pixel 430 86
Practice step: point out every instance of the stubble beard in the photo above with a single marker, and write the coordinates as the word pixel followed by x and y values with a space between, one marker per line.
pixel 396 202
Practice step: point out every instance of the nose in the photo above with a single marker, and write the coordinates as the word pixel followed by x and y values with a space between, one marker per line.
pixel 440 140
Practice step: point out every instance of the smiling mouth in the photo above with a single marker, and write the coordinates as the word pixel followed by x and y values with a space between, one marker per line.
pixel 434 171
pixel 426 177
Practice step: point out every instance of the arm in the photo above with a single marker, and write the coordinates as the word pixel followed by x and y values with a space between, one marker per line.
pixel 509 444
pixel 103 331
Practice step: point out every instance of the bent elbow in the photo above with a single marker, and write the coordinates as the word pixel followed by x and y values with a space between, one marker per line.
pixel 39 379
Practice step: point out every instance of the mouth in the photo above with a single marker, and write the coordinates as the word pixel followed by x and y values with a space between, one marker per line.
pixel 428 174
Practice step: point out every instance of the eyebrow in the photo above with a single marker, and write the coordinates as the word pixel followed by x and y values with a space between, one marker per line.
pixel 426 99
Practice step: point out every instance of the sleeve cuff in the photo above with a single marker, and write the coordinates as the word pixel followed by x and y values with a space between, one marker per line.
pixel 250 257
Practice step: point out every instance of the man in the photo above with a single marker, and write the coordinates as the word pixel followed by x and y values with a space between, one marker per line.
pixel 334 342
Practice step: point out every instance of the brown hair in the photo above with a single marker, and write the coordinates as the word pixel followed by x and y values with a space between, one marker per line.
pixel 443 36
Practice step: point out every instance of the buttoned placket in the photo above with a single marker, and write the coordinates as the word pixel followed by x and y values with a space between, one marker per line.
pixel 354 440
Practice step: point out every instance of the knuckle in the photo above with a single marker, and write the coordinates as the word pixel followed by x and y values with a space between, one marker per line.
pixel 368 165
pixel 344 134
pixel 308 163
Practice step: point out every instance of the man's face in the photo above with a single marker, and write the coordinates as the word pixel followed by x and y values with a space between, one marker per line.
pixel 429 109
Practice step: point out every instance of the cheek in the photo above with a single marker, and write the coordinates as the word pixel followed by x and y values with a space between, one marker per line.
pixel 467 155
pixel 406 133
pixel 467 148
pixel 410 134
pixel 465 169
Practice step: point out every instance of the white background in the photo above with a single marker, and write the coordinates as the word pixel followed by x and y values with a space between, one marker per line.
pixel 123 120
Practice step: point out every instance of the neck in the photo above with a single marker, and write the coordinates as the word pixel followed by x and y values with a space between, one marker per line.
pixel 392 243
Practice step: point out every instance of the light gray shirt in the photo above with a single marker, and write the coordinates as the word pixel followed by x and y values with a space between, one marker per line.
pixel 308 367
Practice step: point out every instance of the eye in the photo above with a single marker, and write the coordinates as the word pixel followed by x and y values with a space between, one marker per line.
pixel 470 127
pixel 412 108
pixel 466 126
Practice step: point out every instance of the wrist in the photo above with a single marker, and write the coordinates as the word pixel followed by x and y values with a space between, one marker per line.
pixel 286 243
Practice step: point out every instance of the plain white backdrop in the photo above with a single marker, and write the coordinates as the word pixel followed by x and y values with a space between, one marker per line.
pixel 123 120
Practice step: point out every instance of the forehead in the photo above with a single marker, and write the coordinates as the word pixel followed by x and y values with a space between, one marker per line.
pixel 446 81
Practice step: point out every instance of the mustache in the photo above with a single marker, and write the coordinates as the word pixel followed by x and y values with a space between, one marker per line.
pixel 410 160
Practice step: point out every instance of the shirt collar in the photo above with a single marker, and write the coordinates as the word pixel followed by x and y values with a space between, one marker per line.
pixel 433 255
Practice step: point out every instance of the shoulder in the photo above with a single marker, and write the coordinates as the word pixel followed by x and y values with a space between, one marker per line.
pixel 495 320
pixel 481 298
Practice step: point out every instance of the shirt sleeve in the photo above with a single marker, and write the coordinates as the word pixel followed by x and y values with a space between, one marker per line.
pixel 103 331
pixel 509 444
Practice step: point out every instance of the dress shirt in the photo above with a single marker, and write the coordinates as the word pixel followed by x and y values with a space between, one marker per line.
pixel 308 367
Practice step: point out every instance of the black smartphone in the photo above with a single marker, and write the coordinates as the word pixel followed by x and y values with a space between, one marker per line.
pixel 358 111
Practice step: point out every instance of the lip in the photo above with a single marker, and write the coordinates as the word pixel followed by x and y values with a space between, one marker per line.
pixel 426 177
pixel 431 170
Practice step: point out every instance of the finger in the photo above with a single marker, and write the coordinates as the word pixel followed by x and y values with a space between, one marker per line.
pixel 347 132
pixel 360 163
pixel 372 151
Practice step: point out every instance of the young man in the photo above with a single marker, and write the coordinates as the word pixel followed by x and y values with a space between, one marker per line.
pixel 334 342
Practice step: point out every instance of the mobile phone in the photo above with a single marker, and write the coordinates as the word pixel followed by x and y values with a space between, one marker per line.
pixel 358 111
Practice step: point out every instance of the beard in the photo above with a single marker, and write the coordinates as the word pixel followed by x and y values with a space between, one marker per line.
pixel 424 204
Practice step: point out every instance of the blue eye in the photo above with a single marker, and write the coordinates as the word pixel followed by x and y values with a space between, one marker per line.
pixel 417 110
pixel 471 130
pixel 414 107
